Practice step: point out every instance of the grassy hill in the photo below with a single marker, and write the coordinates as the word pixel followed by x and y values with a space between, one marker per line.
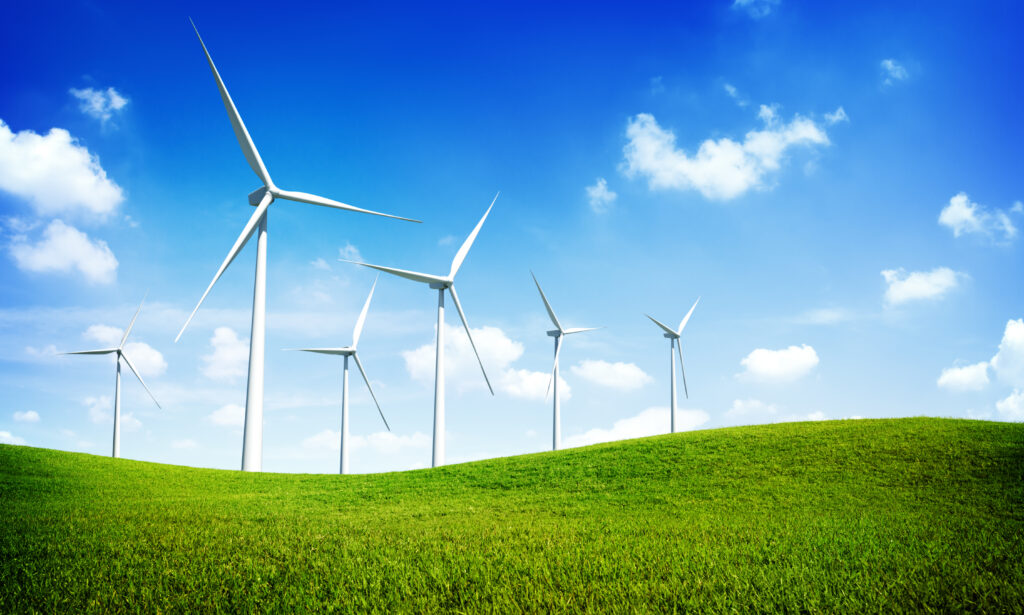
pixel 857 516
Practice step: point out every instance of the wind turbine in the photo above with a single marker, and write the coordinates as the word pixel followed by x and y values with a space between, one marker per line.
pixel 557 333
pixel 252 441
pixel 440 284
pixel 350 351
pixel 675 344
pixel 117 383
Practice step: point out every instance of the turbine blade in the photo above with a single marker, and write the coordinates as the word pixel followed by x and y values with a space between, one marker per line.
pixel 362 315
pixel 466 245
pixel 244 140
pixel 462 315
pixel 580 330
pixel 103 351
pixel 132 323
pixel 687 317
pixel 334 351
pixel 247 231
pixel 551 378
pixel 679 347
pixel 312 199
pixel 667 328
pixel 141 381
pixel 551 312
pixel 426 278
pixel 359 364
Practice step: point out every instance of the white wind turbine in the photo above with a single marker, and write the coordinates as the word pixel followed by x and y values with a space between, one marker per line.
pixel 252 441
pixel 676 345
pixel 557 333
pixel 117 383
pixel 350 351
pixel 440 284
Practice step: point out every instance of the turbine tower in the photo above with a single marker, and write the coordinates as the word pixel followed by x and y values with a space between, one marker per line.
pixel 252 441
pixel 558 332
pixel 117 382
pixel 346 352
pixel 440 284
pixel 676 345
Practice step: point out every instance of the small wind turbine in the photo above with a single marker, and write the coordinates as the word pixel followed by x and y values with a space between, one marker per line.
pixel 350 351
pixel 676 345
pixel 440 284
pixel 252 441
pixel 117 383
pixel 557 333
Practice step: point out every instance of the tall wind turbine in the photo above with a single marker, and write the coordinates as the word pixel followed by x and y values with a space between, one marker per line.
pixel 252 441
pixel 350 351
pixel 558 332
pixel 676 345
pixel 440 284
pixel 117 383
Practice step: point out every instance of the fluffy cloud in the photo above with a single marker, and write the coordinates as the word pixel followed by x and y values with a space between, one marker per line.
pixel 785 365
pixel 100 104
pixel 229 360
pixel 1008 363
pixel 601 198
pixel 968 378
pixel 839 115
pixel 55 174
pixel 527 384
pixel 721 169
pixel 148 360
pixel 755 8
pixel 963 217
pixel 7 437
pixel 64 248
pixel 621 376
pixel 230 415
pixel 382 442
pixel 650 422
pixel 893 71
pixel 1012 408
pixel 904 287
pixel 497 351
pixel 30 416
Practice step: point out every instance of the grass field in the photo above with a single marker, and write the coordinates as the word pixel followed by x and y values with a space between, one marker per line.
pixel 913 515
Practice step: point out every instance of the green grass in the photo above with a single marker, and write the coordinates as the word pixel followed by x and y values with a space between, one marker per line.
pixel 913 515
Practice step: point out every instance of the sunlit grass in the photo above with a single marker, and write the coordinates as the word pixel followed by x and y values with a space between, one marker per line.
pixel 856 516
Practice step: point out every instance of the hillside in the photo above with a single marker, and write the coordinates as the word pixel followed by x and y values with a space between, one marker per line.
pixel 854 516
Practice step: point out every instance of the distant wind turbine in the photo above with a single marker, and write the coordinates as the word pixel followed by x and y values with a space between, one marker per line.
pixel 350 351
pixel 676 345
pixel 440 284
pixel 117 383
pixel 252 441
pixel 557 333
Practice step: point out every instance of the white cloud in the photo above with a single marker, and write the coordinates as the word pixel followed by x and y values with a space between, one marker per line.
pixel 650 422
pixel 106 335
pixel 55 174
pixel 839 115
pixel 750 409
pixel 967 378
pixel 100 104
pixel 350 253
pixel 64 248
pixel 785 365
pixel 916 285
pixel 527 384
pixel 816 416
pixel 187 443
pixel 893 71
pixel 1008 363
pixel 148 360
pixel 621 376
pixel 497 351
pixel 755 8
pixel 30 416
pixel 601 198
pixel 721 169
pixel 963 217
pixel 320 264
pixel 101 409
pixel 1012 408
pixel 229 415
pixel 46 353
pixel 230 357
pixel 735 95
pixel 7 437
pixel 381 442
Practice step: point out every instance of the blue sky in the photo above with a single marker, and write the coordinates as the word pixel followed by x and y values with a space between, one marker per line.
pixel 840 184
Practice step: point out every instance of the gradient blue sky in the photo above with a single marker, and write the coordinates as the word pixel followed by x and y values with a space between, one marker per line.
pixel 774 158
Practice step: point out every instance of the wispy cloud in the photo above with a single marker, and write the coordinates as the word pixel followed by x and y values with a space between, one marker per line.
pixel 893 71
pixel 756 9
pixel 600 197
pixel 965 217
pixel 100 104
